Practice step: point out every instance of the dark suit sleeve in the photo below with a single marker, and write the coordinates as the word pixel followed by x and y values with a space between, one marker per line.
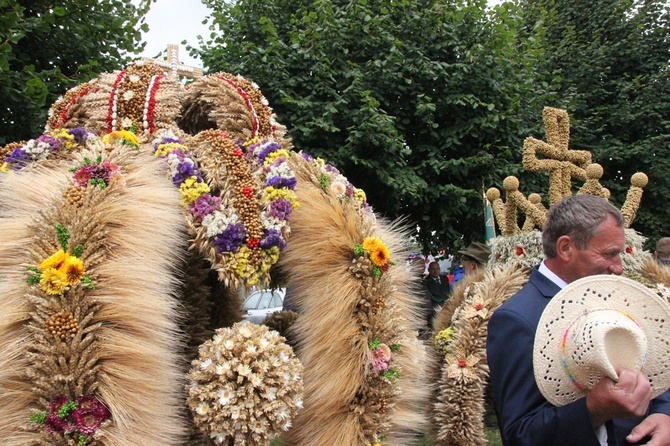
pixel 661 404
pixel 526 418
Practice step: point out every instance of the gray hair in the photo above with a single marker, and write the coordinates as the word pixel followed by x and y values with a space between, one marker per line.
pixel 663 247
pixel 578 217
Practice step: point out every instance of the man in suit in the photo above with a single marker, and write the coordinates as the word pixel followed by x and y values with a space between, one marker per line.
pixel 583 236
pixel 438 288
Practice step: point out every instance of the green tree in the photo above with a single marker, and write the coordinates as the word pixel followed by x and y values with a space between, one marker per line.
pixel 418 102
pixel 48 47
pixel 606 62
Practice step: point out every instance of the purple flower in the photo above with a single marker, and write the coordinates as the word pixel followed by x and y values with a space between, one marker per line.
pixel 204 205
pixel 272 237
pixel 185 169
pixel 267 149
pixel 89 414
pixel 79 133
pixel 307 156
pixel 280 182
pixel 55 424
pixel 54 144
pixel 18 159
pixel 231 238
pixel 281 209
pixel 333 169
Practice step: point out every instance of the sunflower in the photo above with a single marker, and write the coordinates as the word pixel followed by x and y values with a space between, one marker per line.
pixel 380 256
pixel 54 261
pixel 73 268
pixel 53 281
pixel 372 243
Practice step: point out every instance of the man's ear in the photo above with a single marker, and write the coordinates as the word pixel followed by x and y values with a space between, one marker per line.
pixel 565 248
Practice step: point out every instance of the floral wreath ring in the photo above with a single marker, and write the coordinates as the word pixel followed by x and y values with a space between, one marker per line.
pixel 242 229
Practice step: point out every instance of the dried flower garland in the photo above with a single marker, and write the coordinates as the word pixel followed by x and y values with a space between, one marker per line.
pixel 77 418
pixel 246 385
pixel 62 269
pixel 461 347
pixel 44 147
pixel 247 240
pixel 381 356
pixel 523 249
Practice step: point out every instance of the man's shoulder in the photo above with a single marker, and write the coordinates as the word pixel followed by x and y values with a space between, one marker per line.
pixel 532 297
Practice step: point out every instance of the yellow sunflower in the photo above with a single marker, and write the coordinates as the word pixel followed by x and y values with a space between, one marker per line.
pixel 380 256
pixel 53 281
pixel 372 244
pixel 73 268
pixel 54 261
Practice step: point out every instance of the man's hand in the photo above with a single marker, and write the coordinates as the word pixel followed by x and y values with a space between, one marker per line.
pixel 624 399
pixel 656 426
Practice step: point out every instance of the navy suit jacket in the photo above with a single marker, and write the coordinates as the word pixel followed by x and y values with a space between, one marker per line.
pixel 525 417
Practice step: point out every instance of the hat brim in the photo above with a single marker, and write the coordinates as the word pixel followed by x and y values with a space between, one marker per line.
pixel 650 311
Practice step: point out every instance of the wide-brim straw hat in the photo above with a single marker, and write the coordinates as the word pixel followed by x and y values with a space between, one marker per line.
pixel 595 327
pixel 478 251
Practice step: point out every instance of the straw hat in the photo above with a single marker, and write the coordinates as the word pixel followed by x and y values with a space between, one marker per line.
pixel 478 251
pixel 595 327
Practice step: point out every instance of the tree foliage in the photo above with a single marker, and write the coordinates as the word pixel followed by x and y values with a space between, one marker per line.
pixel 48 47
pixel 607 64
pixel 420 103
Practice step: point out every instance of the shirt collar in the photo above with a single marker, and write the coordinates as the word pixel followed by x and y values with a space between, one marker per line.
pixel 549 274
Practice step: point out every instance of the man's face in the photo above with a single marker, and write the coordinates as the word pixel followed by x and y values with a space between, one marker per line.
pixel 434 270
pixel 602 255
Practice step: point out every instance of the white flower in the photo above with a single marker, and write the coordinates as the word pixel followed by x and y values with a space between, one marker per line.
pixel 126 123
pixel 225 395
pixel 204 365
pixel 223 368
pixel 128 95
pixel 286 425
pixel 338 188
pixel 134 78
pixel 218 437
pixel 258 427
pixel 251 348
pixel 283 412
pixel 202 408
pixel 275 361
pixel 297 401
pixel 228 344
pixel 271 393
pixel 243 369
pixel 284 357
pixel 255 380
pixel 245 330
pixel 263 343
pixel 286 376
pixel 262 365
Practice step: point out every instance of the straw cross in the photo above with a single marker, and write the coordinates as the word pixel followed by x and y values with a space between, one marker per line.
pixel 174 67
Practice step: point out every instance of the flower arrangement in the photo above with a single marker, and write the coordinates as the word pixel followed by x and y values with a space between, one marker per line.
pixel 99 174
pixel 442 340
pixel 331 180
pixel 62 269
pixel 77 418
pixel 380 359
pixel 377 252
pixel 246 239
pixel 44 147
pixel 245 386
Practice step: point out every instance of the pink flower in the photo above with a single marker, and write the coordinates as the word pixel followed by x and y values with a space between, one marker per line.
pixel 380 358
pixel 89 414
pixel 82 176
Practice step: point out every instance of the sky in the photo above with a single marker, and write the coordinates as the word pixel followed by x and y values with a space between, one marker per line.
pixel 171 21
